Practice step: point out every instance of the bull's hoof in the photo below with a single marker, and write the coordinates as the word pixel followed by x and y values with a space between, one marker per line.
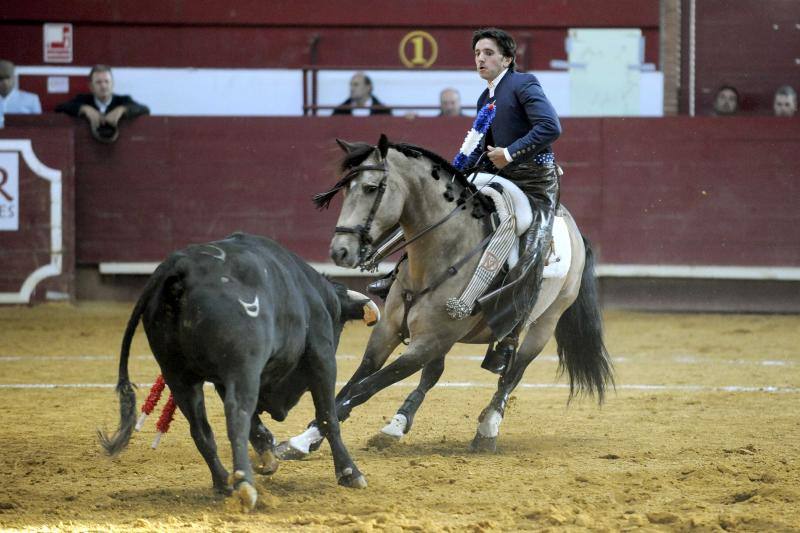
pixel 353 479
pixel 382 440
pixel 285 452
pixel 267 464
pixel 481 444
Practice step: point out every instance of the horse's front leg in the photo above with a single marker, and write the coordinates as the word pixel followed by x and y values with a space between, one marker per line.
pixel 382 342
pixel 401 422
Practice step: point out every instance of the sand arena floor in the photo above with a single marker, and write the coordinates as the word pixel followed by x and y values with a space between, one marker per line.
pixel 703 433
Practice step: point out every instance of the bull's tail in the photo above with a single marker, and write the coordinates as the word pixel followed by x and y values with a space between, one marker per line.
pixel 127 397
pixel 579 334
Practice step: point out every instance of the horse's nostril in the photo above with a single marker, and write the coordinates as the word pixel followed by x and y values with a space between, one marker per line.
pixel 339 254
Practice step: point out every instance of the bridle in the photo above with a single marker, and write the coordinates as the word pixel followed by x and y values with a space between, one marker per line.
pixel 362 230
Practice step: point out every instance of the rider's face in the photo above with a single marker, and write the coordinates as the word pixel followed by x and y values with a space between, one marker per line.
pixel 489 61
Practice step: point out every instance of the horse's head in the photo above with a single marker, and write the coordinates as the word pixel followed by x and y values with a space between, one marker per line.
pixel 372 205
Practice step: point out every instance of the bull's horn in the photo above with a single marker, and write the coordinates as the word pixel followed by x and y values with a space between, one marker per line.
pixel 371 312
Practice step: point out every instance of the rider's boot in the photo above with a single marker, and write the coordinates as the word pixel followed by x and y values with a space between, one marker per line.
pixel 381 286
pixel 498 357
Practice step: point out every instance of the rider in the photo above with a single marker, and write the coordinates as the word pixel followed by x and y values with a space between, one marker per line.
pixel 517 146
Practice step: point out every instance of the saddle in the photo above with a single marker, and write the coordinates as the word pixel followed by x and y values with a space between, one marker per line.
pixel 514 216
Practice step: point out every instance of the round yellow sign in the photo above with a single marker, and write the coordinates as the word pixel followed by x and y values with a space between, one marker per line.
pixel 418 49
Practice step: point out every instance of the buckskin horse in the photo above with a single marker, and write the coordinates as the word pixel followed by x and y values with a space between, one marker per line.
pixel 435 205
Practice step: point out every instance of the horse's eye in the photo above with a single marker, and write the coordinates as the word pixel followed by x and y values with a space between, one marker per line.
pixel 369 188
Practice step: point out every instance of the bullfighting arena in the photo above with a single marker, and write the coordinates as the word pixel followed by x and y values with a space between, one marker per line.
pixel 702 433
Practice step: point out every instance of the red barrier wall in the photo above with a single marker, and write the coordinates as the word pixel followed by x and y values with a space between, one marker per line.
pixel 24 251
pixel 703 191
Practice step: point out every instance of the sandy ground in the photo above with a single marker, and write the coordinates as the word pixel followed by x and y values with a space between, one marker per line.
pixel 703 433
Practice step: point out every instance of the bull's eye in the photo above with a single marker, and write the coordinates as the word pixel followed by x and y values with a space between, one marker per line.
pixel 368 188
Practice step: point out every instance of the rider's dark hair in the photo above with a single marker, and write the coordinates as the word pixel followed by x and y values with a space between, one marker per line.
pixel 505 42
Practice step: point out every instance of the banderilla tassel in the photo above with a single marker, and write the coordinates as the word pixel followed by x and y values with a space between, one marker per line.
pixel 167 414
pixel 151 401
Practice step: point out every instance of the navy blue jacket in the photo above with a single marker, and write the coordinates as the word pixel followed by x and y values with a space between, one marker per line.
pixel 526 122
pixel 73 107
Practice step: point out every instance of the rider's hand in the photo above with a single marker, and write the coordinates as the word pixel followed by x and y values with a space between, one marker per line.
pixel 497 156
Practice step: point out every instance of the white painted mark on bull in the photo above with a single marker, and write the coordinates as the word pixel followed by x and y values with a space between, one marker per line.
pixel 224 279
pixel 250 309
pixel 221 255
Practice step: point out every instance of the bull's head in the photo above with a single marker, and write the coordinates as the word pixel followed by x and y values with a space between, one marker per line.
pixel 356 306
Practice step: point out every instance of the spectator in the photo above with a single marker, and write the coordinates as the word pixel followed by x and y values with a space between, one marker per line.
pixel 102 108
pixel 361 102
pixel 785 103
pixel 449 103
pixel 12 100
pixel 726 102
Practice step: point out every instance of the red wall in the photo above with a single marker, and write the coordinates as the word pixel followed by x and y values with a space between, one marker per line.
pixel 256 34
pixel 25 250
pixel 710 191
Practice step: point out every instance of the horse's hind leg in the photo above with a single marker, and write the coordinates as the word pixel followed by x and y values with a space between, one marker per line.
pixel 485 439
pixel 401 422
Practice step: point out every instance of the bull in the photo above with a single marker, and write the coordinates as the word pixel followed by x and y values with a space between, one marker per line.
pixel 260 324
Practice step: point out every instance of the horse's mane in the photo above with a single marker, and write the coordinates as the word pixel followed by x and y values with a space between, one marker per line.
pixel 359 152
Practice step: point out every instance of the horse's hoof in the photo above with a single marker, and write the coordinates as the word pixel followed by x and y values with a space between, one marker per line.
pixel 481 444
pixel 382 440
pixel 267 464
pixel 285 452
pixel 247 496
pixel 353 479
pixel 223 488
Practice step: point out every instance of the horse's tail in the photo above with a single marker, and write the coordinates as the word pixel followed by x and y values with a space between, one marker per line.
pixel 127 397
pixel 579 334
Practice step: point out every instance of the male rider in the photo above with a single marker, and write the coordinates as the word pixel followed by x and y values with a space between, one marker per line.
pixel 517 146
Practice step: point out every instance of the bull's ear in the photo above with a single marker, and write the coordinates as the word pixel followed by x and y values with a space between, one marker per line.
pixel 345 146
pixel 383 145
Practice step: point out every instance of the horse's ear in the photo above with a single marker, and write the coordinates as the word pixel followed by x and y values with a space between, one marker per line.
pixel 346 146
pixel 383 145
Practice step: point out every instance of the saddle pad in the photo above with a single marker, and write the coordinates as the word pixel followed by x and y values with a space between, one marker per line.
pixel 560 257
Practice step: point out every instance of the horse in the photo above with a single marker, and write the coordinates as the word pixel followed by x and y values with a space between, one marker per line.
pixel 436 206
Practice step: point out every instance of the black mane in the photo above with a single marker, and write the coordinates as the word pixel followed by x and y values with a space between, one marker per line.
pixel 361 151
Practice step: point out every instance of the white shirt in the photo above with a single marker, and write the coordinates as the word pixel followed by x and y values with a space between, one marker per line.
pixel 492 86
pixel 20 102
pixel 363 111
pixel 102 106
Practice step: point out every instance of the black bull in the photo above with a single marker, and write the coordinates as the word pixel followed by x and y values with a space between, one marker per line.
pixel 261 325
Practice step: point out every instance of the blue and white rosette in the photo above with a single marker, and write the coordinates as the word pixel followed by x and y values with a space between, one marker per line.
pixel 474 135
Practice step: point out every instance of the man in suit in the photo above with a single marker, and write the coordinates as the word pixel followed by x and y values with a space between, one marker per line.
pixel 362 102
pixel 12 100
pixel 517 146
pixel 102 108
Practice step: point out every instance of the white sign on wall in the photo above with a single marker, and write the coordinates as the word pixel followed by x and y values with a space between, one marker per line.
pixel 9 191
pixel 58 42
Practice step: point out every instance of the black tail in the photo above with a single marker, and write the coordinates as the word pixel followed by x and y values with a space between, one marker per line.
pixel 127 396
pixel 579 334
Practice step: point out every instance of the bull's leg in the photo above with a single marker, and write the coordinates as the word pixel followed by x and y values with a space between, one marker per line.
pixel 401 422
pixel 261 439
pixel 323 385
pixel 485 439
pixel 191 401
pixel 241 396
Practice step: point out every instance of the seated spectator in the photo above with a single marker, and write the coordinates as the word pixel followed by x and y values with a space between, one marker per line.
pixel 785 103
pixel 12 100
pixel 102 108
pixel 361 102
pixel 726 102
pixel 449 103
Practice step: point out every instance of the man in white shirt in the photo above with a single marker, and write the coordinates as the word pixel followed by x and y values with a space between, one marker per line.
pixel 12 100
